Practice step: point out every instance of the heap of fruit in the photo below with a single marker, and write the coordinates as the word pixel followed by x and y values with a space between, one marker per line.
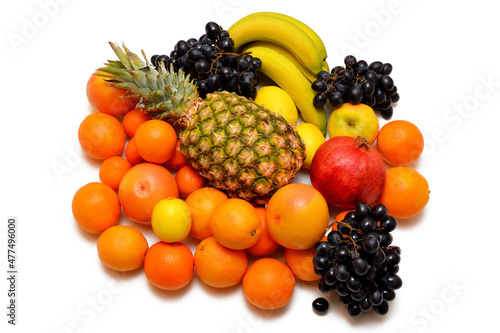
pixel 186 150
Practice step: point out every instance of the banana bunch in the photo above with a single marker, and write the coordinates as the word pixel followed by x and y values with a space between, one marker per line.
pixel 292 54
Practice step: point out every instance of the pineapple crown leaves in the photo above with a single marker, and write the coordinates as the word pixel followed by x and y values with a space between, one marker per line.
pixel 165 93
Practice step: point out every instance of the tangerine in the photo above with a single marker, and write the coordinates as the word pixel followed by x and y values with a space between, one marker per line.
pixel 101 136
pixel 132 120
pixel 219 266
pixel 169 266
pixel 268 284
pixel 95 207
pixel 235 224
pixel 155 141
pixel 122 248
pixel 178 160
pixel 405 193
pixel 189 180
pixel 400 142
pixel 112 171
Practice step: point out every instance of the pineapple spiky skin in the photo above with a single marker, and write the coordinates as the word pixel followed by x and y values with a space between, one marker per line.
pixel 241 147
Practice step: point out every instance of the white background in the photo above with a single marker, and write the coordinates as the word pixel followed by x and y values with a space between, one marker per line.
pixel 445 59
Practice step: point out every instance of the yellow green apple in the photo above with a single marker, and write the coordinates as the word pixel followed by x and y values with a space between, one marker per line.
pixel 354 120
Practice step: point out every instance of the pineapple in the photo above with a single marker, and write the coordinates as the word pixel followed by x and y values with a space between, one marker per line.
pixel 241 147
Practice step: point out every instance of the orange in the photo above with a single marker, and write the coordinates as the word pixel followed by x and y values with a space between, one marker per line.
pixel 132 120
pixel 265 245
pixel 122 248
pixel 268 284
pixel 301 264
pixel 178 160
pixel 169 266
pixel 106 98
pixel 218 266
pixel 400 142
pixel 101 136
pixel 112 171
pixel 297 216
pixel 96 207
pixel 189 180
pixel 201 203
pixel 155 141
pixel 235 224
pixel 131 153
pixel 405 193
pixel 142 187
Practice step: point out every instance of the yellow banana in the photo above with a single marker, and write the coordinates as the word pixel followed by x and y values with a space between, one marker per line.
pixel 285 74
pixel 314 36
pixel 279 31
pixel 280 49
pixel 325 66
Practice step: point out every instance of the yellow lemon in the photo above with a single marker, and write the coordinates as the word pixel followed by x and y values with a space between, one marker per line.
pixel 277 100
pixel 171 220
pixel 313 138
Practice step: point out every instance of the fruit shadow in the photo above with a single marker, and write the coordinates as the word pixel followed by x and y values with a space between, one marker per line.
pixel 169 295
pixel 411 222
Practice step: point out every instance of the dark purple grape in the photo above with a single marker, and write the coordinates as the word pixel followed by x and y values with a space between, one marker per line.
pixel 182 47
pixel 349 61
pixel 319 100
pixel 320 305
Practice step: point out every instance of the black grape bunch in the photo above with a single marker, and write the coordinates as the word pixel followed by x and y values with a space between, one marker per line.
pixel 212 61
pixel 357 82
pixel 358 262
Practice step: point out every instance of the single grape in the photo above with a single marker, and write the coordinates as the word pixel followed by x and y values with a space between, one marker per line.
pixel 360 266
pixel 392 281
pixel 321 262
pixel 345 300
pixel 389 295
pixel 371 76
pixel 341 289
pixel 362 210
pixel 376 296
pixel 226 44
pixel 385 239
pixel 324 287
pixel 194 54
pixel 379 212
pixel 319 100
pixel 336 69
pixel 323 248
pixel 341 273
pixel 368 224
pixel 322 75
pixel 162 58
pixel 341 254
pixel 349 61
pixel 359 295
pixel 223 34
pixel 182 47
pixel 320 305
pixel 347 76
pixel 329 276
pixel 378 257
pixel 212 30
pixel 361 67
pixel 353 284
pixel 380 96
pixel 370 244
pixel 386 82
pixel 382 309
pixel 393 259
pixel 336 100
pixel 370 101
pixel 213 80
pixel 395 98
pixel 355 95
pixel 354 310
pixel 256 64
pixel 388 223
pixel 365 305
pixel 191 41
pixel 319 86
pixel 334 238
pixel 386 69
pixel 368 88
pixel 376 66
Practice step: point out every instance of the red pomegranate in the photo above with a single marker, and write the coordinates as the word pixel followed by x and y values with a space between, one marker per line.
pixel 347 171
